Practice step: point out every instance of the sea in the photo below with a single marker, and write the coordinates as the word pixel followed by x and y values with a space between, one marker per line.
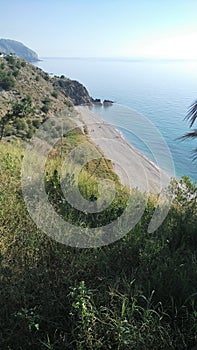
pixel 151 100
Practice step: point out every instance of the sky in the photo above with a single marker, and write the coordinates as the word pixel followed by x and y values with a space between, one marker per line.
pixel 105 28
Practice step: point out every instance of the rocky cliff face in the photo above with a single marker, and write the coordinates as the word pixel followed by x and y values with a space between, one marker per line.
pixel 8 46
pixel 74 90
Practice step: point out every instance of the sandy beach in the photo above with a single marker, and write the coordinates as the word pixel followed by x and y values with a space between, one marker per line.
pixel 133 168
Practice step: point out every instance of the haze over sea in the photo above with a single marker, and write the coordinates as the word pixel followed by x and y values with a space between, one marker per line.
pixel 161 90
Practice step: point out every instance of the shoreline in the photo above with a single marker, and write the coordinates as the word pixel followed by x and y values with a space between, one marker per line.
pixel 133 167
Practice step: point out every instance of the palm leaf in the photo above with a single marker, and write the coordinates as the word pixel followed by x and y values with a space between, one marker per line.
pixel 195 154
pixel 192 114
pixel 189 135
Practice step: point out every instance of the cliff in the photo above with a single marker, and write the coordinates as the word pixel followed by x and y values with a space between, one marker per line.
pixel 73 89
pixel 8 46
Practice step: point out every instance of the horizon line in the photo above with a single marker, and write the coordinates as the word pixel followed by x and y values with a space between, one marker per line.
pixel 122 58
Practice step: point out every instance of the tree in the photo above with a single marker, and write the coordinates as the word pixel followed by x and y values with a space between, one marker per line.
pixel 18 110
pixel 23 108
pixel 7 82
pixel 5 120
pixel 192 117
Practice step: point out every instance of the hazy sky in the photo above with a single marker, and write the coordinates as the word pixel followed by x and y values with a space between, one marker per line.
pixel 104 28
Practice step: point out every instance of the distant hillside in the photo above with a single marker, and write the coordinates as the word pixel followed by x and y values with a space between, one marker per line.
pixel 8 46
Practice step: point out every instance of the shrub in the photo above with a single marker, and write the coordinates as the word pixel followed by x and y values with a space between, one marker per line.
pixel 10 59
pixel 7 81
pixel 36 123
pixel 23 64
pixel 46 100
pixel 46 77
pixel 68 103
pixel 23 108
pixel 18 64
pixel 45 108
pixel 54 93
pixel 15 72
pixel 9 130
pixel 20 124
pixel 30 132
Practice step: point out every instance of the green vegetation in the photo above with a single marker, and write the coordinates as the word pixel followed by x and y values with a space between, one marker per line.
pixel 29 93
pixel 7 81
pixel 10 72
pixel 14 122
pixel 68 103
pixel 54 93
pixel 29 99
pixel 46 107
pixel 137 293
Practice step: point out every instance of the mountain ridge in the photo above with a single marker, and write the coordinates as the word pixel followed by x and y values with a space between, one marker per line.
pixel 9 46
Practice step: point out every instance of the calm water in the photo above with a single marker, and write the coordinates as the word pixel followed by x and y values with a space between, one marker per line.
pixel 160 91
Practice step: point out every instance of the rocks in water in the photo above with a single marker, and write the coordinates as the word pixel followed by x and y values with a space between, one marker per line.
pixel 96 101
pixel 107 103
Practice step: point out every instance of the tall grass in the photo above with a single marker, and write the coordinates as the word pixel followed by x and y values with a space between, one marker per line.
pixel 137 293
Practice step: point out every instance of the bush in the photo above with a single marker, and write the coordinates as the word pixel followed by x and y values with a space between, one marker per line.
pixel 23 108
pixel 45 108
pixel 20 124
pixel 23 64
pixel 18 64
pixel 7 81
pixel 15 72
pixel 36 123
pixel 10 59
pixel 46 77
pixel 30 133
pixel 68 103
pixel 46 100
pixel 2 65
pixel 54 94
pixel 9 130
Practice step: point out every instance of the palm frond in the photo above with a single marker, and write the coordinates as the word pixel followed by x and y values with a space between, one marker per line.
pixel 192 114
pixel 195 154
pixel 189 135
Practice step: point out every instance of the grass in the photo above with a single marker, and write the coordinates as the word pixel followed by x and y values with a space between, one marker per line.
pixel 137 293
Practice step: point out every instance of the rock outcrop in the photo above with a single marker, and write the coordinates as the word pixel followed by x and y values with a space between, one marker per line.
pixel 74 90
pixel 16 48
pixel 96 101
pixel 107 103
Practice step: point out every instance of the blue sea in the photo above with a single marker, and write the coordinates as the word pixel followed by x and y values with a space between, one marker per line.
pixel 159 91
